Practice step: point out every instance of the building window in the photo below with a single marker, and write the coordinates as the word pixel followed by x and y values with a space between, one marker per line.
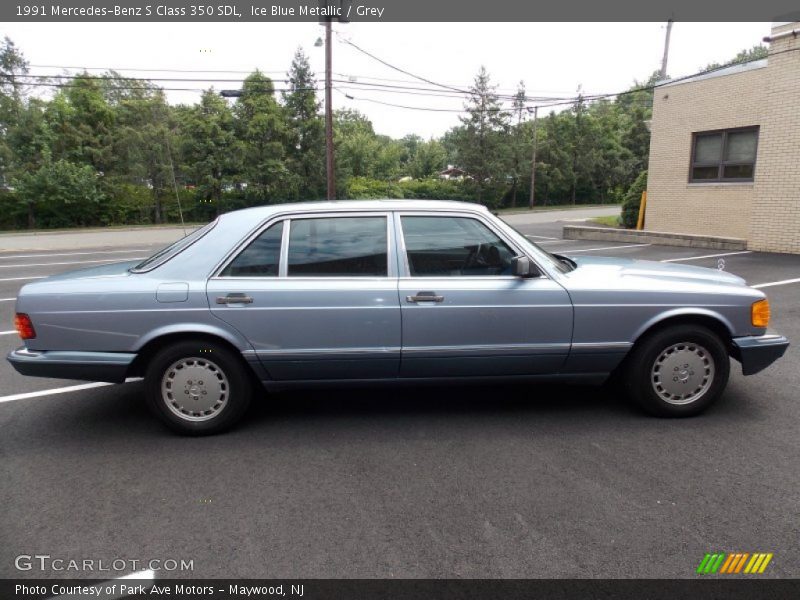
pixel 728 155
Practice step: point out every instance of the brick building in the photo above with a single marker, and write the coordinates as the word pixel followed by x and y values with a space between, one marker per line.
pixel 725 151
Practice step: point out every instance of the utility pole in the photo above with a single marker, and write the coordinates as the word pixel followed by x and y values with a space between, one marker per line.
pixel 329 164
pixel 663 73
pixel 533 159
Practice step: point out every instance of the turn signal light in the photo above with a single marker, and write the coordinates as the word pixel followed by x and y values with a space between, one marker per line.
pixel 24 326
pixel 759 313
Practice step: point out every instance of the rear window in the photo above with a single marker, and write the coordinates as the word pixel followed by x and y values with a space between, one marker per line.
pixel 163 255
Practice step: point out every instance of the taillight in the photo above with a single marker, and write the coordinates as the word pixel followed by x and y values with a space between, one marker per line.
pixel 24 326
pixel 759 313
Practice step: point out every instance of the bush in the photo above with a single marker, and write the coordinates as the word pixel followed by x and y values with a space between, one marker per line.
pixel 434 189
pixel 632 200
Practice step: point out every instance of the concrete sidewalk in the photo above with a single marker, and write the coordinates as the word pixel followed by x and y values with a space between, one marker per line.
pixel 551 216
pixel 91 238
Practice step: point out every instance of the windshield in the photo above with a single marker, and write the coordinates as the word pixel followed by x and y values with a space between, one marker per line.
pixel 173 249
pixel 560 263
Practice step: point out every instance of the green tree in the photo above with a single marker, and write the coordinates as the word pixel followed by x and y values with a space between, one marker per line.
pixel 632 201
pixel 481 148
pixel 12 66
pixel 210 150
pixel 145 143
pixel 757 52
pixel 262 133
pixel 518 145
pixel 428 159
pixel 64 193
pixel 305 137
pixel 356 146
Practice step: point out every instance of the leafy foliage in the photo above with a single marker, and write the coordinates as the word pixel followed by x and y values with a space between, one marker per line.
pixel 106 149
pixel 632 201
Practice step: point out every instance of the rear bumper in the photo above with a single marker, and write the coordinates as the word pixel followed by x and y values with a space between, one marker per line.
pixel 86 366
pixel 756 353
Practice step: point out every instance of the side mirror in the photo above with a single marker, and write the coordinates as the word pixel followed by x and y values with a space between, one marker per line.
pixel 522 266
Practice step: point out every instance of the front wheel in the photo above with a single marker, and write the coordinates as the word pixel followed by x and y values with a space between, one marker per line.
pixel 198 388
pixel 678 372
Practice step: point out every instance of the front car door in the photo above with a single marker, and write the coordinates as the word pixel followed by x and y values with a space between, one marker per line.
pixel 316 296
pixel 463 312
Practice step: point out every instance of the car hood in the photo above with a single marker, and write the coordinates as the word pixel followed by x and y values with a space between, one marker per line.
pixel 668 273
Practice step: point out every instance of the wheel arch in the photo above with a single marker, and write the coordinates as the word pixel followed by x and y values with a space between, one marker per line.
pixel 683 316
pixel 155 341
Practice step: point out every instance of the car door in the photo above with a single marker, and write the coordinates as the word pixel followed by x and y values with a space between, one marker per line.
pixel 316 295
pixel 464 313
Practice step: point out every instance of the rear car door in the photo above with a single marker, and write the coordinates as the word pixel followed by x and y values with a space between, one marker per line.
pixel 316 296
pixel 464 313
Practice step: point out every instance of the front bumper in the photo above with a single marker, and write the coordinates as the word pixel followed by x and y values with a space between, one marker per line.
pixel 756 353
pixel 87 366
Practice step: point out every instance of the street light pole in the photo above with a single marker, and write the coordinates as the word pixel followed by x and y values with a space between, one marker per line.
pixel 329 164
pixel 533 159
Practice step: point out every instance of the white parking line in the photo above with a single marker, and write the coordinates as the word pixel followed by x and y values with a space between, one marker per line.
pixel 4 256
pixel 772 283
pixel 22 278
pixel 52 391
pixel 607 248
pixel 8 332
pixel 706 256
pixel 541 237
pixel 7 299
pixel 73 262
pixel 555 241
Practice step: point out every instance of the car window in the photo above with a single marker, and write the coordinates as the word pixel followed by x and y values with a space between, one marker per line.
pixel 261 258
pixel 338 246
pixel 454 247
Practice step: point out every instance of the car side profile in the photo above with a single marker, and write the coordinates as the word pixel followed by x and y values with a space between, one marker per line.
pixel 386 291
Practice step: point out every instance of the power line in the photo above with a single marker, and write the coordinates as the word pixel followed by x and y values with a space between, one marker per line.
pixel 423 90
pixel 422 108
pixel 543 102
pixel 398 69
pixel 144 70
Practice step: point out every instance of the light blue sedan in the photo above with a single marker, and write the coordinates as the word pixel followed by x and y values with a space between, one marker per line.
pixel 386 291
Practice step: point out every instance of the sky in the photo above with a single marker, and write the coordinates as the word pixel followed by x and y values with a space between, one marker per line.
pixel 553 59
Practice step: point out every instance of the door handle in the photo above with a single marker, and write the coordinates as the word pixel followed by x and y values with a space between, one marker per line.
pixel 425 297
pixel 235 299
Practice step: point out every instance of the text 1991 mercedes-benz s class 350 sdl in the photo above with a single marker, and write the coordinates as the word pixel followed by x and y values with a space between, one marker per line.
pixel 386 291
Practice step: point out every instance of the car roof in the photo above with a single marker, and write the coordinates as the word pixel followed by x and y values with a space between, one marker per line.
pixel 262 212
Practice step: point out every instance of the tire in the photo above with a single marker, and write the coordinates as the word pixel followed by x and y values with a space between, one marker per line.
pixel 198 388
pixel 677 372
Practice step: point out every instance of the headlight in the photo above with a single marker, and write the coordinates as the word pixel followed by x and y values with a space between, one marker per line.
pixel 759 313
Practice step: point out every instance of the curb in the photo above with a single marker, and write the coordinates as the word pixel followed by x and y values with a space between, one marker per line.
pixel 582 232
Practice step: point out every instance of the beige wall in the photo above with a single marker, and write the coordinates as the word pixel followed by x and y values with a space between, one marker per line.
pixel 766 212
pixel 775 215
pixel 674 204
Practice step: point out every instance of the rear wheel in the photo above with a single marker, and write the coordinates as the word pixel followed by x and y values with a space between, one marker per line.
pixel 198 388
pixel 678 372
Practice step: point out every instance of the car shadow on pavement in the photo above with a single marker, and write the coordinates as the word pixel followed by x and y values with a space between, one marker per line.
pixel 121 411
pixel 437 400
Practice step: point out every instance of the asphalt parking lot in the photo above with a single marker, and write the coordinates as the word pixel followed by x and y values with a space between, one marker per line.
pixel 464 482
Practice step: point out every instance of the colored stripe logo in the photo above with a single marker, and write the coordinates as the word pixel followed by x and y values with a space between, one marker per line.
pixel 732 563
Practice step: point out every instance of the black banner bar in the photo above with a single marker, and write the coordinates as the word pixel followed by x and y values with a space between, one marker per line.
pixel 738 588
pixel 396 10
